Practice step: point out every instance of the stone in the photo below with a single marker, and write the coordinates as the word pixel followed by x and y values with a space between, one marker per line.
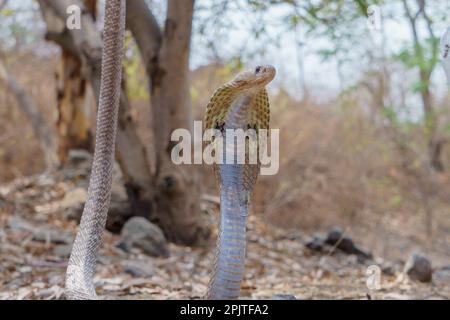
pixel 442 277
pixel 62 250
pixel 52 235
pixel 42 234
pixel 74 212
pixel 73 203
pixel 19 224
pixel 344 243
pixel 74 197
pixel 317 243
pixel 138 269
pixel 140 233
pixel 388 269
pixel 119 213
pixel 418 267
pixel 79 156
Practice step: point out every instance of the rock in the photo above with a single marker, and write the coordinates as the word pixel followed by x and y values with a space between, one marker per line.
pixel 138 269
pixel 3 204
pixel 317 243
pixel 336 238
pixel 283 297
pixel 17 223
pixel 140 233
pixel 344 243
pixel 362 254
pixel 74 213
pixel 388 269
pixel 293 235
pixel 119 213
pixel 419 268
pixel 25 269
pixel 73 203
pixel 442 277
pixel 62 250
pixel 74 197
pixel 43 234
pixel 79 156
pixel 52 235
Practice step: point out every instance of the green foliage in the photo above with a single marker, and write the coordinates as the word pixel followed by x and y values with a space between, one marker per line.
pixel 327 54
pixel 195 95
pixel 419 86
pixel 396 200
pixel 390 113
pixel 235 65
pixel 446 129
pixel 7 13
pixel 422 56
pixel 362 6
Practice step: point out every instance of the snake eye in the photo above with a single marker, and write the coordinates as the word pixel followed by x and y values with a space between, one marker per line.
pixel 258 69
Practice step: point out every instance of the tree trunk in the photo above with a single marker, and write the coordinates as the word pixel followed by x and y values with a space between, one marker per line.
pixel 74 107
pixel 75 101
pixel 434 143
pixel 168 195
pixel 166 57
pixel 178 192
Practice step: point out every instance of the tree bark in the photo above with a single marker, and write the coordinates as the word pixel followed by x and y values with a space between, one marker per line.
pixel 168 195
pixel 177 189
pixel 166 57
pixel 74 107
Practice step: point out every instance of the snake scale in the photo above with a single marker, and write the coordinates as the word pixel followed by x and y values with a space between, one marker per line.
pixel 239 104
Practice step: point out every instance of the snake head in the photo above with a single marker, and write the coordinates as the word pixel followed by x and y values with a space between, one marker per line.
pixel 256 78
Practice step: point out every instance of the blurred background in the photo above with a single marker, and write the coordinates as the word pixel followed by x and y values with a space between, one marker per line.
pixel 361 101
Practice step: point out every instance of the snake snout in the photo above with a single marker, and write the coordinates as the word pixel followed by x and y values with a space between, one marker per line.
pixel 264 69
pixel 266 72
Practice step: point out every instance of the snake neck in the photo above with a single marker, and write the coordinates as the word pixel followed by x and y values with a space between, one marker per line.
pixel 237 117
pixel 229 261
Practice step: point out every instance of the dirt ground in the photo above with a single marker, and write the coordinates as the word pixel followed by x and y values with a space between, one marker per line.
pixel 36 235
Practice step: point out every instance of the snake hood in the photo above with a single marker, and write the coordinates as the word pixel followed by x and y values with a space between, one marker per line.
pixel 250 83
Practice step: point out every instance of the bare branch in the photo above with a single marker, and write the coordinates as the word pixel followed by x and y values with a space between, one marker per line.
pixel 87 39
pixel 146 32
